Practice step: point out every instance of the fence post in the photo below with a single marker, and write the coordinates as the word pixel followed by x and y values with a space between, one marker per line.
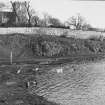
pixel 11 57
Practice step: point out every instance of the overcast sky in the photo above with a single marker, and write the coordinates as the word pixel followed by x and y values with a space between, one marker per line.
pixel 93 11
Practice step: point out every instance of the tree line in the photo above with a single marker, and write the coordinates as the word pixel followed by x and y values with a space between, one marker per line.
pixel 28 17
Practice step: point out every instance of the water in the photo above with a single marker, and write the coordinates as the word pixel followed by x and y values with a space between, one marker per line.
pixel 83 86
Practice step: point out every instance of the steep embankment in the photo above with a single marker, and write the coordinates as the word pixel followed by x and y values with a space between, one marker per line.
pixel 32 46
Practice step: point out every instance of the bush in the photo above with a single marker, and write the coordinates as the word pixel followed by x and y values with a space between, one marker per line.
pixel 95 47
pixel 43 47
pixel 48 46
pixel 64 34
pixel 96 38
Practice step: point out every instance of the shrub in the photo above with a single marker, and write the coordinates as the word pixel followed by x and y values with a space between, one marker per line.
pixel 96 38
pixel 64 34
pixel 43 47
pixel 95 46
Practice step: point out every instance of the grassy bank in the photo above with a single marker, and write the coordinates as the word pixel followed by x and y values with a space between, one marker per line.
pixel 32 46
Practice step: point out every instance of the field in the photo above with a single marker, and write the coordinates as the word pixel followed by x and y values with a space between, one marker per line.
pixel 51 31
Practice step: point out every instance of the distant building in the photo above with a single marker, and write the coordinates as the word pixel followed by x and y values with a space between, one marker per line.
pixel 7 18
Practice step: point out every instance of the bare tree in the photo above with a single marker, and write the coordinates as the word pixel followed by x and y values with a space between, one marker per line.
pixel 45 20
pixel 27 5
pixel 22 11
pixel 86 27
pixel 48 20
pixel 76 21
pixel 14 9
pixel 55 22
pixel 35 20
pixel 2 5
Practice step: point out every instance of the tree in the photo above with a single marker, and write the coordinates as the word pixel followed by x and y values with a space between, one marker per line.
pixel 55 22
pixel 23 12
pixel 76 21
pixel 35 20
pixel 15 8
pixel 29 12
pixel 45 20
pixel 48 20
pixel 2 5
pixel 86 27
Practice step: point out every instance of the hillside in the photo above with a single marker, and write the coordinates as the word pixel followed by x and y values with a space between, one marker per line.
pixel 32 46
pixel 24 46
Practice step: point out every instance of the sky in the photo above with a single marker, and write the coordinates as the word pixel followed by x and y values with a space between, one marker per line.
pixel 92 11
